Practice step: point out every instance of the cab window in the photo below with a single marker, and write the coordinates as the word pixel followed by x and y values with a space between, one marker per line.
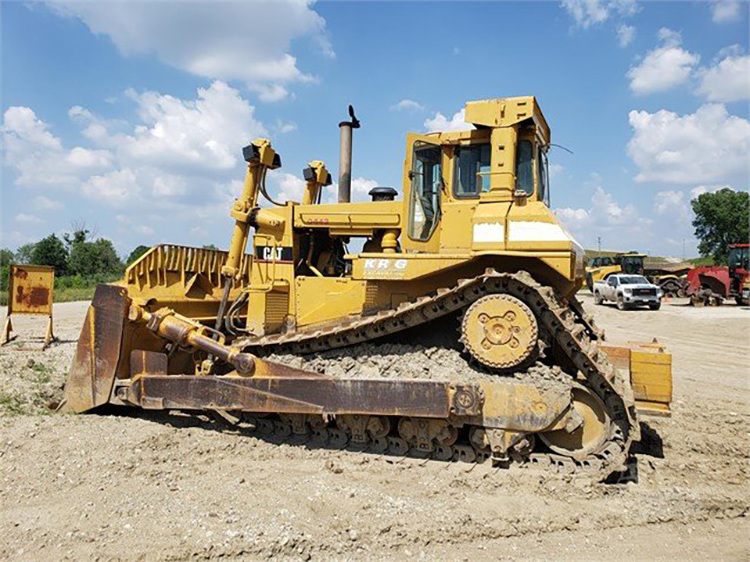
pixel 525 167
pixel 426 185
pixel 472 170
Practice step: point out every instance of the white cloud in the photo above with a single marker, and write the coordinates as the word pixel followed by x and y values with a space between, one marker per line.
pixel 85 158
pixel 143 229
pixel 20 124
pixel 728 80
pixel 247 41
pixel 28 218
pixel 288 186
pixel 407 105
pixel 208 132
pixel 283 127
pixel 723 11
pixel 46 204
pixel 361 188
pixel 38 156
pixel 668 201
pixel 625 34
pixel 663 68
pixel 669 37
pixel 176 147
pixel 673 205
pixel 586 13
pixel 113 188
pixel 574 219
pixel 703 147
pixel 604 215
pixel 440 122
pixel 701 189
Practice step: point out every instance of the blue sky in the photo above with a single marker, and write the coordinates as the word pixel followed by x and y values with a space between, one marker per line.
pixel 131 117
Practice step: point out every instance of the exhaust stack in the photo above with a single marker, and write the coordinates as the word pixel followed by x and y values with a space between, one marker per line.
pixel 345 157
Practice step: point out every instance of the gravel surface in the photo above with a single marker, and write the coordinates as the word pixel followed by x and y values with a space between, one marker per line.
pixel 150 486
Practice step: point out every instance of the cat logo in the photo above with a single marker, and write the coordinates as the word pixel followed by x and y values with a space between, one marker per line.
pixel 278 254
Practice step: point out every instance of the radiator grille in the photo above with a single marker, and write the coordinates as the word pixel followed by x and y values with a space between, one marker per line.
pixel 277 308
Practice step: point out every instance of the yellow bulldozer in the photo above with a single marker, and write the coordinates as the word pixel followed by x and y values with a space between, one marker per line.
pixel 471 254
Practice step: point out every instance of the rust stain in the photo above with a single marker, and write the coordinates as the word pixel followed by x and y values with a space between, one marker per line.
pixel 21 273
pixel 38 297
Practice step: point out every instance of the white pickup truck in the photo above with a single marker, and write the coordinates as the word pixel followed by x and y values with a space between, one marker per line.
pixel 627 291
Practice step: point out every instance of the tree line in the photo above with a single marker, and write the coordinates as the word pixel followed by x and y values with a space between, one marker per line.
pixel 80 259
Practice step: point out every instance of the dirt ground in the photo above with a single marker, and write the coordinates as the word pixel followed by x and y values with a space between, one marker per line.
pixel 159 487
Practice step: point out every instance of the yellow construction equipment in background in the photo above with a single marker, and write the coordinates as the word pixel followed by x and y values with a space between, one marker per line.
pixel 473 242
pixel 601 267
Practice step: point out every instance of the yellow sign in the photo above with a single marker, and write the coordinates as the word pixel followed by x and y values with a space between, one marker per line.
pixel 30 293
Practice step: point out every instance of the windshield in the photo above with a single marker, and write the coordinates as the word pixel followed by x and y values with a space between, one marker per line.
pixel 738 257
pixel 633 280
pixel 472 170
pixel 524 167
pixel 632 264
pixel 426 184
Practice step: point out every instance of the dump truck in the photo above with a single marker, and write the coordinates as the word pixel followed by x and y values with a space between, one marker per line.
pixel 471 255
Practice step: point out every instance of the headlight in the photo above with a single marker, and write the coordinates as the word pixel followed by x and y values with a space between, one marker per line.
pixel 627 291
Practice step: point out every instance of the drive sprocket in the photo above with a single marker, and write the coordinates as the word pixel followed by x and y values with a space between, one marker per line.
pixel 500 331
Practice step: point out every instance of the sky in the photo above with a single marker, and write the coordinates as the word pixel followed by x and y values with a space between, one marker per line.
pixel 130 117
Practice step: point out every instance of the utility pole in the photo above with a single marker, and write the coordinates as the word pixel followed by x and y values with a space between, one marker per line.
pixel 599 243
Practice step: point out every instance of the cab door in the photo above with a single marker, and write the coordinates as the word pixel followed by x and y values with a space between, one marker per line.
pixel 423 193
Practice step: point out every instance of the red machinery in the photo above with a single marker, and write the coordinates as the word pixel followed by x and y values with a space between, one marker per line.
pixel 713 284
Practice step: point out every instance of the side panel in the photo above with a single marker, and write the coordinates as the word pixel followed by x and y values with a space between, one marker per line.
pixel 320 299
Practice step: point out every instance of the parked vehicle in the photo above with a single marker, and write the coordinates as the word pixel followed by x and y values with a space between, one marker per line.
pixel 711 285
pixel 628 291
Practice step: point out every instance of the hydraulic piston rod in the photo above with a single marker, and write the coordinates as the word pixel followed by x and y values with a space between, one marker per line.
pixel 186 333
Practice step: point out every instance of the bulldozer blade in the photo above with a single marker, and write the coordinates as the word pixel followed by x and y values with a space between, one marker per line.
pixel 94 368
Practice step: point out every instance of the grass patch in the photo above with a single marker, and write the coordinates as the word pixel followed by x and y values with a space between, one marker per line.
pixel 697 262
pixel 43 372
pixel 12 405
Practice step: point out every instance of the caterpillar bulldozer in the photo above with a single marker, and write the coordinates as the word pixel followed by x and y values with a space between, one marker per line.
pixel 471 245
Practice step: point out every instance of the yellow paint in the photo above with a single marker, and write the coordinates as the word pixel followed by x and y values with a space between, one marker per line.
pixel 650 369
pixel 318 281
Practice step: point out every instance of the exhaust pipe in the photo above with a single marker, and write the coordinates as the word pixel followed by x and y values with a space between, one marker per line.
pixel 345 157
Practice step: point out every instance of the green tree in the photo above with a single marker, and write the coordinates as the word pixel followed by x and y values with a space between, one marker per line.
pixel 6 258
pixel 24 254
pixel 89 258
pixel 51 251
pixel 137 253
pixel 721 219
pixel 210 247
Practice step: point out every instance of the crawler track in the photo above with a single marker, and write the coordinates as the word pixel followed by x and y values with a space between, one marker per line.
pixel 573 335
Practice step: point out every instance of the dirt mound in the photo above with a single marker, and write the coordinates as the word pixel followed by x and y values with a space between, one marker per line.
pixel 409 361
